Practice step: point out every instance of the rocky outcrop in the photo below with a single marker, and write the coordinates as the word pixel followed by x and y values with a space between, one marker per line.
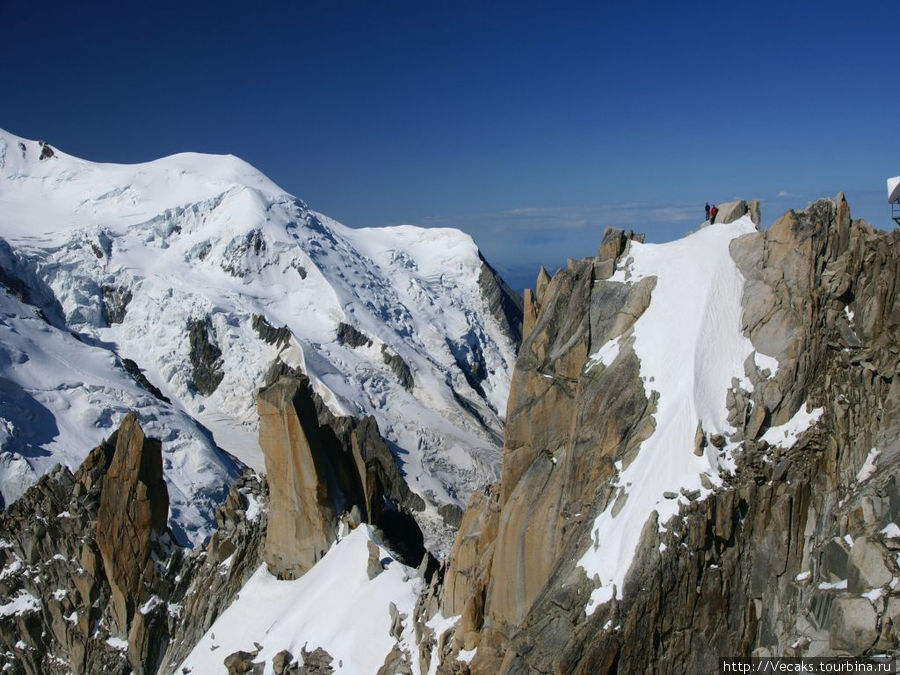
pixel 399 367
pixel 206 358
pixel 91 581
pixel 268 333
pixel 115 301
pixel 138 376
pixel 303 520
pixel 134 506
pixel 795 554
pixel 320 468
pixel 245 254
pixel 351 336
pixel 731 211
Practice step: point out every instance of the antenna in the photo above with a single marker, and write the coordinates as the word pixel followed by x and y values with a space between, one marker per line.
pixel 893 188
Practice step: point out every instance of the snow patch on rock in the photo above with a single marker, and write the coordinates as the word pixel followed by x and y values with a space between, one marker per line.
pixel 690 346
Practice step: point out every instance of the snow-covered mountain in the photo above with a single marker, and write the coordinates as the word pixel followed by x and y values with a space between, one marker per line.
pixel 699 458
pixel 171 287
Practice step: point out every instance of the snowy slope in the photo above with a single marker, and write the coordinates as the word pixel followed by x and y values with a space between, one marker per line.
pixel 690 346
pixel 334 606
pixel 208 239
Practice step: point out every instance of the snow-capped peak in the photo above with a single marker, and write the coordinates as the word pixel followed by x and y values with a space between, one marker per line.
pixel 182 264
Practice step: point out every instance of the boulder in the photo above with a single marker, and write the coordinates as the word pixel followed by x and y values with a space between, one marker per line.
pixel 866 566
pixel 699 440
pixel 853 625
pixel 241 662
pixel 373 562
pixel 890 625
pixel 316 662
pixel 282 662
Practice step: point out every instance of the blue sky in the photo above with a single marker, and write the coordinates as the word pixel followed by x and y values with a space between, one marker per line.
pixel 531 125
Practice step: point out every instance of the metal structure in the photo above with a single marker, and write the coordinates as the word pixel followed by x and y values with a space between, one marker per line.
pixel 893 188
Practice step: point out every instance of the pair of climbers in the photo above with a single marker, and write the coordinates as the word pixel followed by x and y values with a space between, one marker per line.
pixel 711 213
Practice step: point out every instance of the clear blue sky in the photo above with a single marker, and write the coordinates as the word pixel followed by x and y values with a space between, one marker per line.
pixel 529 124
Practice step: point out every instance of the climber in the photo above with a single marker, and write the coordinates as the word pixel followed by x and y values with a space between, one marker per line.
pixel 707 210
pixel 712 214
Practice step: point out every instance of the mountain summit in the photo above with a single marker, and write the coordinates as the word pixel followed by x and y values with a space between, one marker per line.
pixel 172 287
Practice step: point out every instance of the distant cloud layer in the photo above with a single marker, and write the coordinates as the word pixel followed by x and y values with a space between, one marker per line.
pixel 518 241
pixel 532 219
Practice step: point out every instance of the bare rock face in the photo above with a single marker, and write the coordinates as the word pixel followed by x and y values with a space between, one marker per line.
pixel 466 580
pixel 321 466
pixel 134 506
pixel 302 519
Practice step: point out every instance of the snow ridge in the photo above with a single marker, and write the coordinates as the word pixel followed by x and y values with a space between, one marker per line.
pixel 690 346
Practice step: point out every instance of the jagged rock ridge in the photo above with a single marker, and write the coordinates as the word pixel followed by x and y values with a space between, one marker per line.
pixel 788 548
pixel 91 579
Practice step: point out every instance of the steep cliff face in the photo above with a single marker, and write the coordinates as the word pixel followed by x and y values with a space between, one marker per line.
pixel 134 506
pixel 323 468
pixel 724 486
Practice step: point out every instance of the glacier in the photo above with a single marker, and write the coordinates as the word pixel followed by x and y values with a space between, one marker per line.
pixel 110 265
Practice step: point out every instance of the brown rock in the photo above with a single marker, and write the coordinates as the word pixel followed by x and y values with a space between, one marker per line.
pixel 699 440
pixel 134 505
pixel 302 520
pixel 543 280
pixel 530 310
pixel 373 562
pixel 282 661
pixel 241 662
